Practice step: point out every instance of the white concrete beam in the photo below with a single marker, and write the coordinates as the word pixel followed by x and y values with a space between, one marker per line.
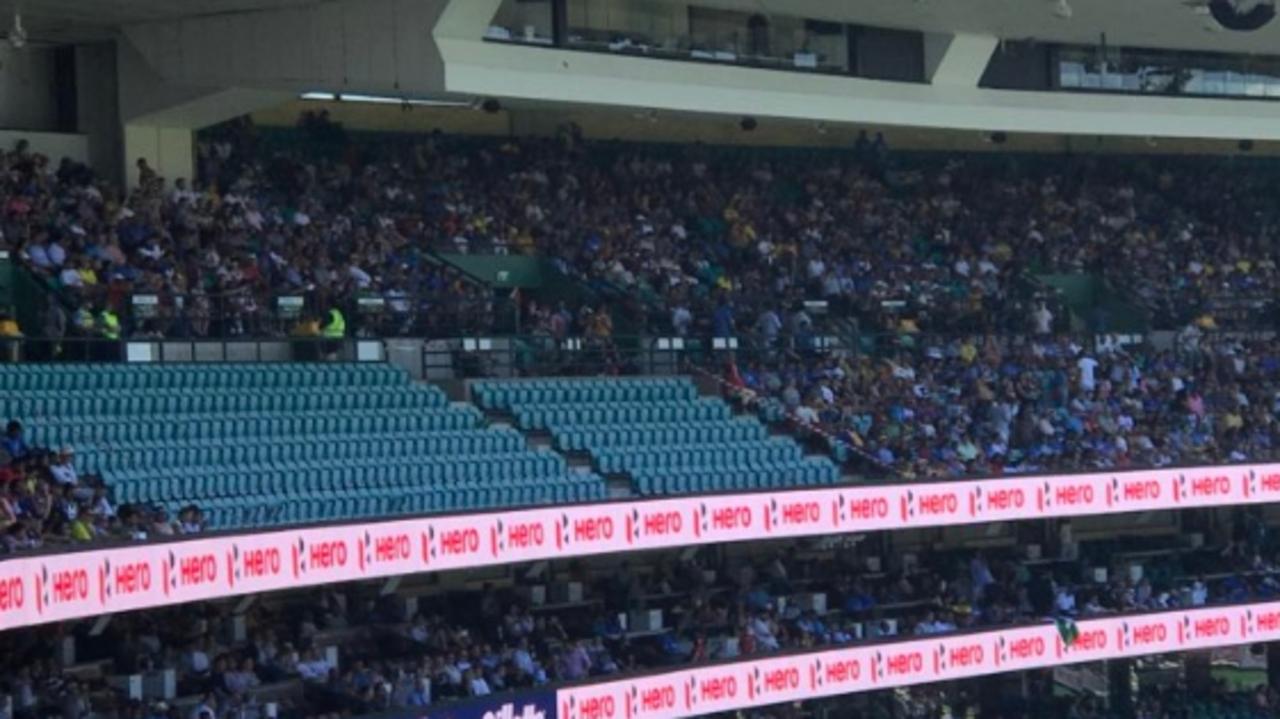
pixel 957 59
pixel 475 67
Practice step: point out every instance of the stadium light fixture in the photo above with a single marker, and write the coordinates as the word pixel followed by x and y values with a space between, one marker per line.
pixel 382 100
pixel 1063 9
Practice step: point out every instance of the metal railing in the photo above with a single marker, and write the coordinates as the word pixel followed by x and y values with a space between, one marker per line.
pixel 369 315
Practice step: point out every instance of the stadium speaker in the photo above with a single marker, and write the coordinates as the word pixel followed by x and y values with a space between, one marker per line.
pixel 491 106
pixel 1242 15
pixel 1245 145
pixel 999 137
pixel 748 124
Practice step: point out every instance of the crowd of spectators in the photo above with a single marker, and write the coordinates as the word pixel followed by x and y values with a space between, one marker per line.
pixel 460 644
pixel 681 240
pixel 45 501
pixel 943 406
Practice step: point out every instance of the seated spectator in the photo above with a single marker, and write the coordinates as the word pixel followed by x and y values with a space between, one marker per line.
pixel 63 467
pixel 13 446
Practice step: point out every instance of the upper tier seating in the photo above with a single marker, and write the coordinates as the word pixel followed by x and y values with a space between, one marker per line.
pixel 258 444
pixel 658 431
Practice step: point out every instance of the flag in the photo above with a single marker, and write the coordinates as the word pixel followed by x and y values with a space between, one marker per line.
pixel 1067 630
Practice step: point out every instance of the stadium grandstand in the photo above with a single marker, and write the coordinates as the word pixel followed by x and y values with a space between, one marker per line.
pixel 606 359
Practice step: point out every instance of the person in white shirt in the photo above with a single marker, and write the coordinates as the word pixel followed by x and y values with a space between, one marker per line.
pixel 70 278
pixel 763 633
pixel 681 319
pixel 63 469
pixel 1042 319
pixel 1199 594
pixel 57 254
pixel 313 667
pixel 38 255
pixel 1066 601
pixel 1087 366
pixel 522 659
pixel 477 685
pixel 243 679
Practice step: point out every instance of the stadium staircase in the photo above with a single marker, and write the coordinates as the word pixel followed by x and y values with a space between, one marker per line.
pixel 273 444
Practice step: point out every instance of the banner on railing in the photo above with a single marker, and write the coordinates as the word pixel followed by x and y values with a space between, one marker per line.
pixel 920 660
pixel 56 587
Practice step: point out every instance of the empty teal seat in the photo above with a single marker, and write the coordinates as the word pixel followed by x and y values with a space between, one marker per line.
pixel 658 432
pixel 268 444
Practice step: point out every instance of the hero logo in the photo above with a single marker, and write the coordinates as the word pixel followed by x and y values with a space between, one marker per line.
pixel 599 707
pixel 1090 640
pixel 840 672
pixel 904 663
pixel 780 680
pixel 1210 627
pixel 938 503
pixel 866 508
pixel 256 563
pixel 966 655
pixel 659 524
pixel 458 542
pixel 525 535
pixel 1210 486
pixel 738 517
pixel 1271 482
pixel 801 513
pixel 1139 490
pixel 718 688
pixel 12 594
pixel 69 585
pixel 1027 648
pixel 392 548
pixel 508 711
pixel 1073 495
pixel 1006 499
pixel 197 569
pixel 655 699
pixel 1267 621
pixel 328 555
pixel 1143 635
pixel 131 578
pixel 593 529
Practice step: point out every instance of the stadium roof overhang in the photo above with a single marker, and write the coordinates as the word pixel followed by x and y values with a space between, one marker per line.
pixel 435 49
pixel 1172 24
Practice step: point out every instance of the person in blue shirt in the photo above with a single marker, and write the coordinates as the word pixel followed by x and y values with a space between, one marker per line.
pixel 723 321
pixel 13 444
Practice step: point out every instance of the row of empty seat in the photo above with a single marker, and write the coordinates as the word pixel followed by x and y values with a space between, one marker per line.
pixel 212 400
pixel 261 445
pixel 44 377
pixel 56 431
pixel 656 431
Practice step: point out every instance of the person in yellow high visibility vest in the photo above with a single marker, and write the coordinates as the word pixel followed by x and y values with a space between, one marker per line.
pixel 335 325
pixel 109 324
pixel 334 329
pixel 10 337
pixel 108 328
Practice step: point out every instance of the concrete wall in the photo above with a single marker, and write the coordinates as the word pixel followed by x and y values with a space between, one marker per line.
pixel 27 98
pixel 54 145
pixel 170 151
pixel 371 46
pixel 98 107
